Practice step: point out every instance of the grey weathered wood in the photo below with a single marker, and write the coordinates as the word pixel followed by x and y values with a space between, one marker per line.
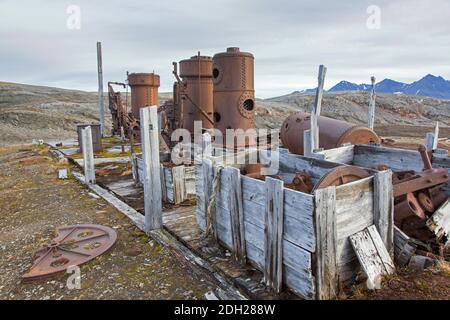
pixel 207 150
pixel 432 138
pixel 404 248
pixel 273 231
pixel 326 243
pixel 163 183
pixel 101 101
pixel 237 215
pixel 307 147
pixel 383 214
pixel 370 156
pixel 342 154
pixel 179 191
pixel 371 116
pixel 317 108
pixel 208 175
pixel 88 155
pixel 152 179
pixel 354 212
pixel 372 255
pixel 439 222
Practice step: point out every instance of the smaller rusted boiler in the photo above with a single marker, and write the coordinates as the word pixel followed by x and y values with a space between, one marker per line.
pixel 144 91
pixel 332 133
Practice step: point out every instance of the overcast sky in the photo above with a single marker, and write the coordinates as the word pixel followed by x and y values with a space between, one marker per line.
pixel 289 39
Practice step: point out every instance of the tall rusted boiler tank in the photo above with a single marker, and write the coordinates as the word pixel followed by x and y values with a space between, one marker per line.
pixel 196 74
pixel 234 93
pixel 332 133
pixel 144 91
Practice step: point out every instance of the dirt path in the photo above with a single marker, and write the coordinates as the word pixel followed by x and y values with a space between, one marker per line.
pixel 33 202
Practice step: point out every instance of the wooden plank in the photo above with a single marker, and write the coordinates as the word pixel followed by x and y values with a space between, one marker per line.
pixel 372 255
pixel 342 154
pixel 370 156
pixel 179 191
pixel 307 147
pixel 326 243
pixel 207 176
pixel 371 109
pixel 88 155
pixel 384 208
pixel 237 215
pixel 163 183
pixel 273 231
pixel 439 222
pixel 404 248
pixel 152 179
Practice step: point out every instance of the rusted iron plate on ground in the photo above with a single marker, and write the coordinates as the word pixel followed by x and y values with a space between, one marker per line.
pixel 73 246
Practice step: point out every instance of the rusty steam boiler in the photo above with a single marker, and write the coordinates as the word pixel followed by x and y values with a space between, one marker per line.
pixel 332 133
pixel 144 91
pixel 193 93
pixel 234 94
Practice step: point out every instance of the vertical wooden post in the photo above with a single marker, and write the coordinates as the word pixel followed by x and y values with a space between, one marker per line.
pixel 371 116
pixel 101 102
pixel 307 147
pixel 431 139
pixel 179 190
pixel 317 108
pixel 208 175
pixel 237 216
pixel 152 179
pixel 88 155
pixel 163 183
pixel 273 234
pixel 326 243
pixel 384 208
pixel 206 145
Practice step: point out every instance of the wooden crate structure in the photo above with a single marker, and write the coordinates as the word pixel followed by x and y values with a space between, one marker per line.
pixel 177 182
pixel 296 239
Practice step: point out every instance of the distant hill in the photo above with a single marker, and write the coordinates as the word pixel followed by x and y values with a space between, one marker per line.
pixel 428 86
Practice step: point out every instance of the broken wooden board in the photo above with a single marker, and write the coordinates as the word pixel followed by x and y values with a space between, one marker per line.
pixel 372 254
pixel 439 222
pixel 404 248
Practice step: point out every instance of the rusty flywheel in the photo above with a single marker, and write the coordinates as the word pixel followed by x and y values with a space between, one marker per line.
pixel 74 245
pixel 341 175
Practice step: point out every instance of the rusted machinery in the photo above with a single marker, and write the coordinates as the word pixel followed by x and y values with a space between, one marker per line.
pixel 144 91
pixel 121 118
pixel 417 195
pixel 193 92
pixel 234 94
pixel 332 133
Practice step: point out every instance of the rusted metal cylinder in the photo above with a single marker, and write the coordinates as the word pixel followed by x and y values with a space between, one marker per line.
pixel 196 73
pixel 332 133
pixel 144 91
pixel 234 93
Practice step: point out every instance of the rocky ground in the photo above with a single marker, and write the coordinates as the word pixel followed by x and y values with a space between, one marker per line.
pixel 33 202
pixel 34 112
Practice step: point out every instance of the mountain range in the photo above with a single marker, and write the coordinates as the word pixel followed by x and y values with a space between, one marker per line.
pixel 429 86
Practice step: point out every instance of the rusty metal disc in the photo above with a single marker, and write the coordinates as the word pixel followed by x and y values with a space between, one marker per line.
pixel 426 202
pixel 73 246
pixel 341 175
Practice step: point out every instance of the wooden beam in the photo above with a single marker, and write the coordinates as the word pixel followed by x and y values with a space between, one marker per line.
pixel 101 101
pixel 372 255
pixel 307 147
pixel 179 190
pixel 326 243
pixel 273 234
pixel 371 115
pixel 208 176
pixel 431 139
pixel 317 108
pixel 152 179
pixel 88 155
pixel 237 215
pixel 384 208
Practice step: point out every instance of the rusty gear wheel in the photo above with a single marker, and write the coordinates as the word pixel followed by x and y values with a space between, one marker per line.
pixel 341 175
pixel 73 246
